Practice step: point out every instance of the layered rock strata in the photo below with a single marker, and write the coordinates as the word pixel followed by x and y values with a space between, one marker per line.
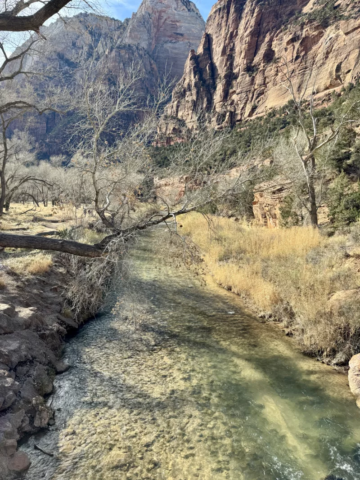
pixel 157 39
pixel 249 51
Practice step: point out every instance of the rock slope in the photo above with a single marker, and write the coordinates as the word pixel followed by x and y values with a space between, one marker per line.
pixel 248 50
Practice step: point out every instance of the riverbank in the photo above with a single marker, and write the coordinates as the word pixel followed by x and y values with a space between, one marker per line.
pixel 302 280
pixel 36 315
pixel 177 382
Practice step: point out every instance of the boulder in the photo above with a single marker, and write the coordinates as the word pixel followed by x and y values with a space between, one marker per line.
pixel 43 413
pixel 342 298
pixel 42 380
pixel 28 317
pixel 22 346
pixel 9 446
pixel 8 391
pixel 354 377
pixel 7 324
pixel 19 462
pixel 7 309
pixel 28 392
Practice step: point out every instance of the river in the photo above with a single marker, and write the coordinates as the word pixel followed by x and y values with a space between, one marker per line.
pixel 185 385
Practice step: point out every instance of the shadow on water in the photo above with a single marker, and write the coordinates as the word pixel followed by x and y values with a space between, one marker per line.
pixel 198 391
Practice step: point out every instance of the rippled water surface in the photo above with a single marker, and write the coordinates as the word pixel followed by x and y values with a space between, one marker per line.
pixel 184 385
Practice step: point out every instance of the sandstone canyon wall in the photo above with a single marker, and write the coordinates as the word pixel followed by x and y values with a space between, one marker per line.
pixel 168 31
pixel 249 46
pixel 160 35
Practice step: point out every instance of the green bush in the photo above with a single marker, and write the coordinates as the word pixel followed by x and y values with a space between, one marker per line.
pixel 289 216
pixel 344 201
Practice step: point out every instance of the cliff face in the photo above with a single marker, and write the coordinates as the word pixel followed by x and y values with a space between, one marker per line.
pixel 167 30
pixel 247 51
pixel 159 36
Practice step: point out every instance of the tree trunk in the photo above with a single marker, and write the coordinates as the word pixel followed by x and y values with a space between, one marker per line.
pixel 8 202
pixel 39 243
pixel 3 192
pixel 312 195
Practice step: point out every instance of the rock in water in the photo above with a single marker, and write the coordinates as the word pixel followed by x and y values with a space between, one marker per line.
pixel 354 377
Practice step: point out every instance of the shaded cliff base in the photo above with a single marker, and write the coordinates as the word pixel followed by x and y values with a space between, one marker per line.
pixel 307 283
pixel 35 317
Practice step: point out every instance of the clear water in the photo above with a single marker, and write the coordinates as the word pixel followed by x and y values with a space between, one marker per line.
pixel 185 385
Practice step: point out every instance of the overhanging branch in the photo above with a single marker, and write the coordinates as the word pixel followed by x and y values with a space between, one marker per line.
pixel 11 23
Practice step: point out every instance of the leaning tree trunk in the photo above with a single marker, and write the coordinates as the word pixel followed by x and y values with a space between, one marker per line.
pixel 39 243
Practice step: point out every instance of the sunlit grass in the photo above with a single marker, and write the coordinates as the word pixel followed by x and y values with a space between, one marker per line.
pixel 275 267
pixel 37 264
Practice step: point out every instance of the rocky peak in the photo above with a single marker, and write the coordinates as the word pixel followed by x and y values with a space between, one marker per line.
pixel 168 30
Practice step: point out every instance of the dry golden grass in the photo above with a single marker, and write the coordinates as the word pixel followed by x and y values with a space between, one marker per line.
pixel 21 216
pixel 238 238
pixel 31 264
pixel 91 237
pixel 295 266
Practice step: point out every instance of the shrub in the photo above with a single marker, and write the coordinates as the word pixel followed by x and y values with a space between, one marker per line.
pixel 343 202
pixel 289 216
pixel 31 264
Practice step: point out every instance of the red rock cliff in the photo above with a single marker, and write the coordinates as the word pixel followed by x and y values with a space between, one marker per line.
pixel 239 70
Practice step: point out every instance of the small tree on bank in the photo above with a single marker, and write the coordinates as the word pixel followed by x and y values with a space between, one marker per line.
pixel 303 156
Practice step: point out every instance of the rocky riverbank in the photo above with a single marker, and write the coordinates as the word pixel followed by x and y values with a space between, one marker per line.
pixel 33 324
pixel 36 292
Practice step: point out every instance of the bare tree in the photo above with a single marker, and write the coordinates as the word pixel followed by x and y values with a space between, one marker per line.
pixel 113 162
pixel 306 142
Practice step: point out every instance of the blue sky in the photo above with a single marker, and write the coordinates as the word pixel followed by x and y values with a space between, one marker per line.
pixel 122 9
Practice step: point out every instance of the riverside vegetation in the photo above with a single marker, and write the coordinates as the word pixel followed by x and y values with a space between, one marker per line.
pixel 291 275
pixel 304 278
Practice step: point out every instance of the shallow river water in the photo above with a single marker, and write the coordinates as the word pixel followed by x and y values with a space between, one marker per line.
pixel 184 385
